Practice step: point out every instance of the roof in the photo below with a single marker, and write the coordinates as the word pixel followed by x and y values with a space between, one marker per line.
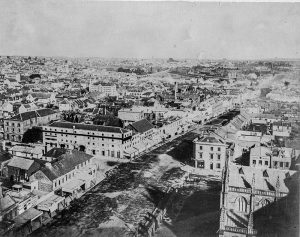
pixel 265 179
pixel 141 126
pixel 6 202
pixel 21 163
pixel 90 127
pixel 210 137
pixel 26 149
pixel 55 152
pixel 32 114
pixel 29 214
pixel 4 155
pixel 41 95
pixel 260 151
pixel 66 163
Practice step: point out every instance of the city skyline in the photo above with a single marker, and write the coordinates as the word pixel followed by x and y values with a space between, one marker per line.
pixel 150 29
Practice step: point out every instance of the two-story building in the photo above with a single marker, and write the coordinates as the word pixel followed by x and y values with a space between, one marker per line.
pixel 260 156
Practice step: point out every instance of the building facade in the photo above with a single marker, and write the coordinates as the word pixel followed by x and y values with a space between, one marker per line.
pixel 209 151
pixel 99 140
pixel 245 190
pixel 16 126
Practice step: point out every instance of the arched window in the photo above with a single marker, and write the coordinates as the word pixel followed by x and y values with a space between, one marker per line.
pixel 264 202
pixel 241 204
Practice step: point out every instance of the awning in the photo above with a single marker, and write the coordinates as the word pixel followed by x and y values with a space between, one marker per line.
pixel 140 146
pixel 130 151
pixel 71 186
pixel 51 203
pixel 29 215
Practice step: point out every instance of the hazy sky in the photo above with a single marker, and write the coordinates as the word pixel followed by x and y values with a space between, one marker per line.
pixel 150 29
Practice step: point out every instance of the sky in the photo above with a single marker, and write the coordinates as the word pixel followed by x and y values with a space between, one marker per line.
pixel 150 29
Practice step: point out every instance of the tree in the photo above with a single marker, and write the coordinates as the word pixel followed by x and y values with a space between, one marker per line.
pixel 33 135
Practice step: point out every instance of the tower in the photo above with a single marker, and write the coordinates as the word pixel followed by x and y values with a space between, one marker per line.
pixel 175 89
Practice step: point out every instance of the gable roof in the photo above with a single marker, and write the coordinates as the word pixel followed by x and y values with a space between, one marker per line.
pixel 6 202
pixel 32 114
pixel 141 126
pixel 66 163
pixel 55 152
pixel 22 163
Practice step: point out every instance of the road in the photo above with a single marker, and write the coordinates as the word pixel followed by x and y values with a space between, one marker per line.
pixel 125 192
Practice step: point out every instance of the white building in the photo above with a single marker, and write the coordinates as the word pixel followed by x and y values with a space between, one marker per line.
pixel 99 140
pixel 209 151
pixel 105 88
pixel 260 157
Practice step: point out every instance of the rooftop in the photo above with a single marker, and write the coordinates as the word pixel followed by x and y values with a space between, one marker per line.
pixel 89 127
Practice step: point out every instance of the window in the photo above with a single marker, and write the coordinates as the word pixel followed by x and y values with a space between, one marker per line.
pixel 266 162
pixel 281 164
pixel 201 147
pixel 275 163
pixel 219 157
pixel 94 152
pixel 200 164
pixel 211 166
pixel 211 148
pixel 254 162
pixel 211 156
pixel 219 148
pixel 218 165
pixel 287 164
pixel 260 162
pixel 200 155
pixel 241 204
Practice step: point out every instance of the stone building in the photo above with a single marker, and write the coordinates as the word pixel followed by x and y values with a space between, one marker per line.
pixel 245 190
pixel 16 126
pixel 209 151
pixel 100 140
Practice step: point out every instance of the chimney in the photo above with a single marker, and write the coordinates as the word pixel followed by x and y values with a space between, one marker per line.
pixel 48 165
pixel 69 151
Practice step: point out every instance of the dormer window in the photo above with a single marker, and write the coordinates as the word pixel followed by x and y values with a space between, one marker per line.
pixel 241 171
pixel 265 174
